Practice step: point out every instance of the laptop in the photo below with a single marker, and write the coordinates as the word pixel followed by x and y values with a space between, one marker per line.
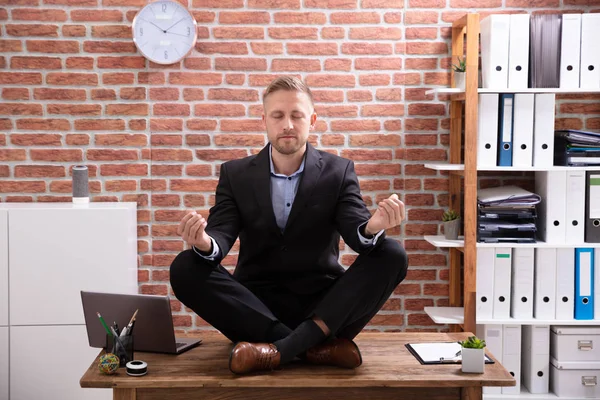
pixel 153 330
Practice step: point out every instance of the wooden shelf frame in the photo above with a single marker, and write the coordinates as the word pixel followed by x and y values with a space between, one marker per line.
pixel 465 30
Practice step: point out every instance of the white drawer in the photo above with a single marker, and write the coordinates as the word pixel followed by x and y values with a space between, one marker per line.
pixel 578 380
pixel 575 343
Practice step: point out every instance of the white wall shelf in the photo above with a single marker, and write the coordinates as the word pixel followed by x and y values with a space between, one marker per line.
pixel 444 166
pixel 447 90
pixel 454 315
pixel 441 241
pixel 446 315
pixel 525 395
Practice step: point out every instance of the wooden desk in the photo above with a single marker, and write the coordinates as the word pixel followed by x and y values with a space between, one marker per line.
pixel 388 371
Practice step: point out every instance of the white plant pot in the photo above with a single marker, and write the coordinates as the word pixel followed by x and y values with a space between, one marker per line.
pixel 459 80
pixel 473 360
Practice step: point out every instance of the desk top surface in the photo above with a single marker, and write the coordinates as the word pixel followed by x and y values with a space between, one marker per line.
pixel 386 362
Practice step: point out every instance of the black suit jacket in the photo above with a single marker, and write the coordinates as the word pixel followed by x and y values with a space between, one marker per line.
pixel 304 257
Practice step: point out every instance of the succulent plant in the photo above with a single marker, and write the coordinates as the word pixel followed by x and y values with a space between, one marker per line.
pixel 449 215
pixel 473 342
pixel 461 66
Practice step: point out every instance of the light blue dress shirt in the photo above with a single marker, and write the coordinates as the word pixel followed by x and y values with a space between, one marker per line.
pixel 283 193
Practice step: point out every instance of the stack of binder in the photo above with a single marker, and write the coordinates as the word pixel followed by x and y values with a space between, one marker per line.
pixel 576 148
pixel 507 214
pixel 540 51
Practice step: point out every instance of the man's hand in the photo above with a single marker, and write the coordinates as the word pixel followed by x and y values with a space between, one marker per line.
pixel 390 213
pixel 191 230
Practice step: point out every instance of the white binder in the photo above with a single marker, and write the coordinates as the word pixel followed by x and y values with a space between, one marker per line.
pixel 596 283
pixel 523 129
pixel 511 356
pixel 544 292
pixel 521 303
pixel 536 358
pixel 575 207
pixel 590 51
pixel 485 282
pixel 492 334
pixel 518 52
pixel 543 130
pixel 502 272
pixel 550 185
pixel 570 49
pixel 565 284
pixel 494 51
pixel 487 130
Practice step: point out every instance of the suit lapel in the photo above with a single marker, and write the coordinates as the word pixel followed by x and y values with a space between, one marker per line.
pixel 310 176
pixel 261 180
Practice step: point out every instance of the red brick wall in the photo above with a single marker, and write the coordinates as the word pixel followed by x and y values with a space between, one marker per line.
pixel 74 90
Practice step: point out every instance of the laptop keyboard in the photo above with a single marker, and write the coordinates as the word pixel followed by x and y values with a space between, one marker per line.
pixel 179 344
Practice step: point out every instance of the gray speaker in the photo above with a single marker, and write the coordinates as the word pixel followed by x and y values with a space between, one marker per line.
pixel 81 191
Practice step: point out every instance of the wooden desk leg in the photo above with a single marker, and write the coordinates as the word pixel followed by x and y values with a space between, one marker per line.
pixel 472 393
pixel 123 394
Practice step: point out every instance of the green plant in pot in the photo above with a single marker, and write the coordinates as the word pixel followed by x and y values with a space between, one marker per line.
pixel 473 355
pixel 459 72
pixel 451 224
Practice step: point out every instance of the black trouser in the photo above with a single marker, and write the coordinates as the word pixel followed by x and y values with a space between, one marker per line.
pixel 246 313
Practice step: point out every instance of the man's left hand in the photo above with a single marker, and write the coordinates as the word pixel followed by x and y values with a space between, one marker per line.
pixel 389 214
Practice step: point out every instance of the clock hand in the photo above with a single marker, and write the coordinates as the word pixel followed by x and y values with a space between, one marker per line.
pixel 175 24
pixel 152 23
pixel 178 34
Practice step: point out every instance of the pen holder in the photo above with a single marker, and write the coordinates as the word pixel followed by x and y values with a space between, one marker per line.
pixel 122 347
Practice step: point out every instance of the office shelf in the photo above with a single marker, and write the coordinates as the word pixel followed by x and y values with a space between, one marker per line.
pixel 441 241
pixel 446 90
pixel 444 166
pixel 534 321
pixel 455 315
pixel 446 315
pixel 525 395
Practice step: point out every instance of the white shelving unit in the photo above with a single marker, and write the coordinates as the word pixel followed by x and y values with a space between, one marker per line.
pixel 525 395
pixel 455 315
pixel 441 241
pixel 447 90
pixel 461 167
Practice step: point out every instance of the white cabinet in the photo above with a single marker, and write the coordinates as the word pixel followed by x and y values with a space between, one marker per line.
pixel 70 249
pixel 48 254
pixel 3 363
pixel 3 268
pixel 60 353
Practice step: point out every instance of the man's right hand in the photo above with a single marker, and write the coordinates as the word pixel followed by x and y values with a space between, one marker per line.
pixel 191 230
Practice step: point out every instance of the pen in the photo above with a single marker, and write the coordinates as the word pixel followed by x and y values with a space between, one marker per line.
pixel 123 350
pixel 133 317
pixel 103 323
pixel 116 327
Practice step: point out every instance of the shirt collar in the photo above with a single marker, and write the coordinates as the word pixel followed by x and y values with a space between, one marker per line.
pixel 300 170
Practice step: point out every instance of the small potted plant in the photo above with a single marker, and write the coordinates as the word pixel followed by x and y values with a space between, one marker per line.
pixel 451 224
pixel 473 355
pixel 459 72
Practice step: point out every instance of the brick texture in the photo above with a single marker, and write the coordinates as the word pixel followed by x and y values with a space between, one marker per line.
pixel 75 90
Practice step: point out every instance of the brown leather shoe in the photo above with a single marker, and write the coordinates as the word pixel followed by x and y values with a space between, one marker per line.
pixel 247 357
pixel 338 352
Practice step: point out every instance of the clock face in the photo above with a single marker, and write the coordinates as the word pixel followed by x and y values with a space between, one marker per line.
pixel 164 31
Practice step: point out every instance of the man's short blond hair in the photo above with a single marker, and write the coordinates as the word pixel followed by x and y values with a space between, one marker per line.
pixel 290 83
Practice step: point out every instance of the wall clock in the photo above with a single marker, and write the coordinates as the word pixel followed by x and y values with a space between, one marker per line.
pixel 164 31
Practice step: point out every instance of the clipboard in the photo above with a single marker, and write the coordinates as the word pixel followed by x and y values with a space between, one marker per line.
pixel 439 353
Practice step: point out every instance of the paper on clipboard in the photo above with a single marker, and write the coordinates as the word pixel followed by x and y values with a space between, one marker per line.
pixel 438 353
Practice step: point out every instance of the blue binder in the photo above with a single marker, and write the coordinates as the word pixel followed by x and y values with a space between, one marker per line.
pixel 505 129
pixel 584 283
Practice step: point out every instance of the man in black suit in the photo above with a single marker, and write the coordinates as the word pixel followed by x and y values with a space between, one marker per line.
pixel 289 296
